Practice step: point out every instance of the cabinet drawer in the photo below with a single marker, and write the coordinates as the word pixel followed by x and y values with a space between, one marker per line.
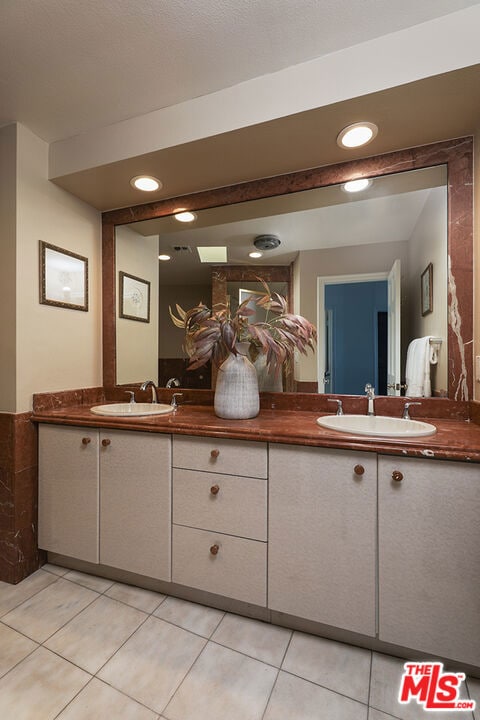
pixel 232 457
pixel 223 503
pixel 238 570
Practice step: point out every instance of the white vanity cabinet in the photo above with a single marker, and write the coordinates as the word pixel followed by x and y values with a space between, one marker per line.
pixel 105 497
pixel 220 517
pixel 322 535
pixel 429 556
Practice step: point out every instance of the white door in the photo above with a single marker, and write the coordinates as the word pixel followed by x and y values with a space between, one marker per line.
pixel 393 359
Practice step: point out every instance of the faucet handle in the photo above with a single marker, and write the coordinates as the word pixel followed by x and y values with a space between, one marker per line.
pixel 132 396
pixel 339 405
pixel 406 414
pixel 174 402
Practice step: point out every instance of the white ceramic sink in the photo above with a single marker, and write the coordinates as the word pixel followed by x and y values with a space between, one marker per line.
pixel 377 425
pixel 132 409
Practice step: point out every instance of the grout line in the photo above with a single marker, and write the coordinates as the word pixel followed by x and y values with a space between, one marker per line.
pixel 73 698
pixel 30 596
pixel 270 694
pixel 184 678
pixel 325 687
pixel 370 678
pixel 287 648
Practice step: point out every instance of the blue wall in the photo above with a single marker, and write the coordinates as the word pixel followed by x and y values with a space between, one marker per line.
pixel 355 307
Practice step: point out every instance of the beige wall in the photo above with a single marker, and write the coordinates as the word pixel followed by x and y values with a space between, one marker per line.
pixel 428 244
pixel 137 342
pixel 312 264
pixel 476 256
pixel 56 348
pixel 8 179
pixel 171 338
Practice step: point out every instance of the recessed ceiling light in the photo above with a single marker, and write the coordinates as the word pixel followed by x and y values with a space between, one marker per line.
pixel 358 134
pixel 164 257
pixel 353 186
pixel 146 183
pixel 185 216
pixel 255 255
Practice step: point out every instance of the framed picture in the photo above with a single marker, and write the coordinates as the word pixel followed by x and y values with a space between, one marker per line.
pixel 426 285
pixel 63 278
pixel 134 298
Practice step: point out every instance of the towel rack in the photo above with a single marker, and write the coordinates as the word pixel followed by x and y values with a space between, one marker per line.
pixel 435 341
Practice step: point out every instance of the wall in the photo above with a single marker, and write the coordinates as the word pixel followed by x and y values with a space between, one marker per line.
pixel 428 244
pixel 137 342
pixel 312 264
pixel 8 179
pixel 476 255
pixel 56 348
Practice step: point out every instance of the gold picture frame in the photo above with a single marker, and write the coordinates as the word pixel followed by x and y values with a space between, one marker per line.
pixel 426 290
pixel 63 278
pixel 134 294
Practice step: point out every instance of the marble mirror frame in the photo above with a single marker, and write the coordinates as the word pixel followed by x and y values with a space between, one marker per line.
pixel 456 154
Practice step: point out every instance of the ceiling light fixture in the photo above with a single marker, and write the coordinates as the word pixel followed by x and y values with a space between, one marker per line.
pixel 354 186
pixel 357 134
pixel 255 255
pixel 147 183
pixel 164 257
pixel 185 216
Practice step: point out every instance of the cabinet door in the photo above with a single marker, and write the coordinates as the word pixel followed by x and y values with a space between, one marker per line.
pixel 429 560
pixel 322 536
pixel 135 502
pixel 68 491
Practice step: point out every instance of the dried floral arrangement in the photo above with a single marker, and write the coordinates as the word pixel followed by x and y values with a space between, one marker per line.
pixel 213 333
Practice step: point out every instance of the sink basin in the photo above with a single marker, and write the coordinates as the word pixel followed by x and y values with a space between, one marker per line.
pixel 132 409
pixel 377 426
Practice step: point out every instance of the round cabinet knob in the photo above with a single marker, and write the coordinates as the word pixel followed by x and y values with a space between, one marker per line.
pixel 214 549
pixel 86 441
pixel 359 470
pixel 397 476
pixel 214 454
pixel 214 489
pixel 106 442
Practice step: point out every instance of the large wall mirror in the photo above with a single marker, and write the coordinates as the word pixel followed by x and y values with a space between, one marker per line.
pixel 354 263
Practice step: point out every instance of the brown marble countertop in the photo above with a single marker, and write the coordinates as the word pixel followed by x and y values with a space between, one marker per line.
pixel 454 439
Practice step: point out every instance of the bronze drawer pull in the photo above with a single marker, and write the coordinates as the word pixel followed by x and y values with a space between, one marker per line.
pixel 214 489
pixel 397 476
pixel 214 454
pixel 214 549
pixel 106 442
pixel 86 441
pixel 358 469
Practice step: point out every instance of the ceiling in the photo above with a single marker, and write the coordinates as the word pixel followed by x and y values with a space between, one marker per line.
pixel 67 68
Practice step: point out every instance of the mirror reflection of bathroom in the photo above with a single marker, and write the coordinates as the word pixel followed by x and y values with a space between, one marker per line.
pixel 400 222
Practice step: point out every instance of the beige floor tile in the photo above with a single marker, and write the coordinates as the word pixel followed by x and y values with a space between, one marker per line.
pixel 385 684
pixel 13 595
pixel 95 634
pixel 223 684
pixel 55 569
pixel 13 648
pixel 153 662
pixel 92 582
pixel 339 667
pixel 260 640
pixel 145 600
pixel 294 697
pixel 99 701
pixel 45 613
pixel 190 616
pixel 474 694
pixel 39 687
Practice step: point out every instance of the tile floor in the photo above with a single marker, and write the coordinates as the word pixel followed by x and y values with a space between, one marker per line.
pixel 77 647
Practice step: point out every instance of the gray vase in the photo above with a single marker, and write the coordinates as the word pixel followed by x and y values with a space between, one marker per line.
pixel 236 391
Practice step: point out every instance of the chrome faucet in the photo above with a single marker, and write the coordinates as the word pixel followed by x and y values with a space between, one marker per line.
pixel 370 390
pixel 339 405
pixel 173 382
pixel 174 402
pixel 147 384
pixel 406 414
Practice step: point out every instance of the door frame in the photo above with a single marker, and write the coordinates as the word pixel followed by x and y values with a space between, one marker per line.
pixel 322 282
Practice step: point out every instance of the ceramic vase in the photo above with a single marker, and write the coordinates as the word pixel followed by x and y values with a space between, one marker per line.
pixel 236 391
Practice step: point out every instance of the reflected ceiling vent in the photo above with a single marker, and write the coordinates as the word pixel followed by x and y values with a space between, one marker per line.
pixel 266 242
pixel 182 248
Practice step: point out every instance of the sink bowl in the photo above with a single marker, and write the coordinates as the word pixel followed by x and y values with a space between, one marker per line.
pixel 377 426
pixel 132 409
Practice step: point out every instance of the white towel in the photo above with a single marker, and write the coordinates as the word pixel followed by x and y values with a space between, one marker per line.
pixel 417 371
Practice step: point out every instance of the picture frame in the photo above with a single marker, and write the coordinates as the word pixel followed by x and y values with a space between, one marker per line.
pixel 426 290
pixel 63 278
pixel 134 294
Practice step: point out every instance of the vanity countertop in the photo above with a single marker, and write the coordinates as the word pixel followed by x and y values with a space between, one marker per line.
pixel 454 439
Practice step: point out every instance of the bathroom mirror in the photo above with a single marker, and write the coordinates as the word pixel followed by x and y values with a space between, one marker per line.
pixel 325 234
